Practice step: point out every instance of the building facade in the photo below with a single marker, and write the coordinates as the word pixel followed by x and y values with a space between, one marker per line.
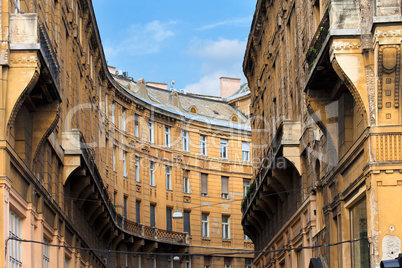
pixel 324 81
pixel 98 170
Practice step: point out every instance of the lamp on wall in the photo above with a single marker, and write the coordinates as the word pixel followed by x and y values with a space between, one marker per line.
pixel 177 215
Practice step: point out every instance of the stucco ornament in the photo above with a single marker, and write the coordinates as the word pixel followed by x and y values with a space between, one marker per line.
pixel 391 246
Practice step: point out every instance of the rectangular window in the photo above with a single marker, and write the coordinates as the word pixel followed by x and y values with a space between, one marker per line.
pixel 123 119
pixel 114 198
pixel 245 151
pixel 106 105
pixel 204 184
pixel 114 158
pixel 186 182
pixel 184 135
pixel 186 222
pixel 152 173
pixel 167 136
pixel 205 225
pixel 203 145
pixel 136 125
pixel 66 260
pixel 138 211
pixel 227 262
pixel 137 169
pixel 17 6
pixel 225 187
pixel 168 178
pixel 46 253
pixel 125 174
pixel 225 227
pixel 151 131
pixel 15 246
pixel 224 148
pixel 169 219
pixel 125 206
pixel 207 261
pixel 358 229
pixel 249 263
pixel 188 262
pixel 246 184
pixel 152 216
pixel 113 121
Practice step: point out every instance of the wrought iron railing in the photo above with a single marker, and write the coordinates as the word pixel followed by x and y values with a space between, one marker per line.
pixel 318 41
pixel 48 51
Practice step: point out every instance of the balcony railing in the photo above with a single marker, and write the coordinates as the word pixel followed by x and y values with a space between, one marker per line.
pixel 318 40
pixel 48 52
pixel 128 226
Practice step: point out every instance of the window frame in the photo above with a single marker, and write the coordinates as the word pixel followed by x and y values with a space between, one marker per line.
pixel 151 131
pixel 137 169
pixel 152 173
pixel 205 225
pixel 168 176
pixel 168 139
pixel 185 139
pixel 225 227
pixel 136 125
pixel 244 152
pixel 125 173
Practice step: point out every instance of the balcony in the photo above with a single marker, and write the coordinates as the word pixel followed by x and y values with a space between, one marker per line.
pixel 275 176
pixel 78 154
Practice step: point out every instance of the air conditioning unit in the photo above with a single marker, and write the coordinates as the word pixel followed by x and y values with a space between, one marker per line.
pixel 119 72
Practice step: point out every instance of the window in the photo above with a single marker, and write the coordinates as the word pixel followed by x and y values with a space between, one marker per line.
pixel 203 145
pixel 186 222
pixel 114 158
pixel 168 178
pixel 204 184
pixel 125 206
pixel 106 105
pixel 358 229
pixel 152 173
pixel 205 225
pixel 184 135
pixel 137 169
pixel 225 227
pixel 169 219
pixel 151 131
pixel 123 119
pixel 245 151
pixel 249 263
pixel 227 262
pixel 187 262
pixel 186 182
pixel 46 253
pixel 136 125
pixel 153 262
pixel 225 187
pixel 246 184
pixel 152 216
pixel 224 148
pixel 113 113
pixel 138 211
pixel 66 260
pixel 207 261
pixel 167 136
pixel 15 246
pixel 125 164
pixel 114 198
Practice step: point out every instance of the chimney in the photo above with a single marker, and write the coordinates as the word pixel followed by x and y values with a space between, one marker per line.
pixel 229 86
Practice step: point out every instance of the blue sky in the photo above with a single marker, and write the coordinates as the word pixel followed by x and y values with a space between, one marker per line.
pixel 191 42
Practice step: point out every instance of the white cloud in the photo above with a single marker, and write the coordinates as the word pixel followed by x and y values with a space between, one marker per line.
pixel 219 58
pixel 141 39
pixel 232 22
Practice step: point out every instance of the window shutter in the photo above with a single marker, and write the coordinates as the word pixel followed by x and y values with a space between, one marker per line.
pixel 187 222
